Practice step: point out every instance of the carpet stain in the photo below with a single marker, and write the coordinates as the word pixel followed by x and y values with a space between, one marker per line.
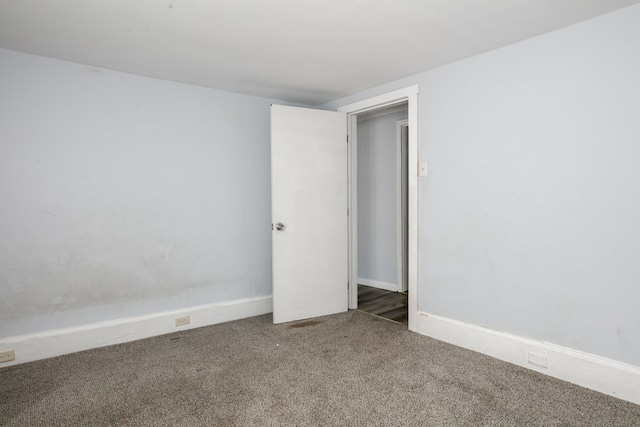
pixel 305 324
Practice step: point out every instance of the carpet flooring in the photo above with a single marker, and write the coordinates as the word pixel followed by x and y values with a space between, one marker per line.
pixel 350 369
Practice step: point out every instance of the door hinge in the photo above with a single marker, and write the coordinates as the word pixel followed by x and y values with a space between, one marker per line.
pixel 347 139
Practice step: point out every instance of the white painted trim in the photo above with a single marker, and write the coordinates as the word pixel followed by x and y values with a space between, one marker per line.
pixel 413 211
pixel 402 287
pixel 607 376
pixel 410 96
pixel 382 112
pixel 393 287
pixel 57 342
pixel 384 100
pixel 352 199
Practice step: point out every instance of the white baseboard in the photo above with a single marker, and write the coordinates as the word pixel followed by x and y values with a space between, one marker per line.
pixel 70 340
pixel 377 284
pixel 607 376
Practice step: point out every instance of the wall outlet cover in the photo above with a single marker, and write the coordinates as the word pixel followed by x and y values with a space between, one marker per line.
pixel 181 321
pixel 7 356
pixel 538 360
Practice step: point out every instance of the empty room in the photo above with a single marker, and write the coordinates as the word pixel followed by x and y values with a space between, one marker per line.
pixel 319 212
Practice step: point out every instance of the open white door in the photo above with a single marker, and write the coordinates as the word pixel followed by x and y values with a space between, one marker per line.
pixel 309 212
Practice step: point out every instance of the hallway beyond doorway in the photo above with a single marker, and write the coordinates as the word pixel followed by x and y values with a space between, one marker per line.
pixel 383 303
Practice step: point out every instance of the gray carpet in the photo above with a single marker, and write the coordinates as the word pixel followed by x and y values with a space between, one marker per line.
pixel 350 369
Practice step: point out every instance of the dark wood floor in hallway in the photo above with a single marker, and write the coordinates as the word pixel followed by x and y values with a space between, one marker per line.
pixel 383 303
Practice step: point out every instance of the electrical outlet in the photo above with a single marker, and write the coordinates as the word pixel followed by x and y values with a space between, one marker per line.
pixel 7 356
pixel 181 321
pixel 538 360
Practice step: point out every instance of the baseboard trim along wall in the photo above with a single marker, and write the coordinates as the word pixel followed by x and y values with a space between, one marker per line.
pixel 70 340
pixel 377 284
pixel 597 373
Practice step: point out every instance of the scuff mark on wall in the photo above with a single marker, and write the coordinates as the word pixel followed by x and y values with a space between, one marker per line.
pixel 122 195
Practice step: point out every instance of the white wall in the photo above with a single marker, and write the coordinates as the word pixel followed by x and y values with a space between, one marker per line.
pixel 123 195
pixel 377 198
pixel 528 221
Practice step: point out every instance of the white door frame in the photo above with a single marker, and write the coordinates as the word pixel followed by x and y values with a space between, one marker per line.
pixel 410 96
pixel 400 206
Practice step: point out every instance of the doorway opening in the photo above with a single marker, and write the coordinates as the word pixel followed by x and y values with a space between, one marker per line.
pixel 382 161
pixel 406 275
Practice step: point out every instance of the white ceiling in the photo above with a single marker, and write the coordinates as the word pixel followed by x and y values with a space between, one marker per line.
pixel 308 51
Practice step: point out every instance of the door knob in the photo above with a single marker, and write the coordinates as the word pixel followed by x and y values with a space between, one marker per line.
pixel 280 226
